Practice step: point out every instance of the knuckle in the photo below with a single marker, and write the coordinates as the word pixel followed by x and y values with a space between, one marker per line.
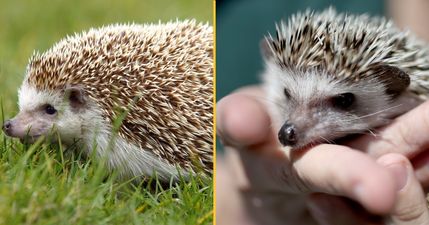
pixel 290 179
pixel 404 137
pixel 425 116
pixel 410 213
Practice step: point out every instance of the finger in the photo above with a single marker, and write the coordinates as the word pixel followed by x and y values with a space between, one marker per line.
pixel 332 169
pixel 276 208
pixel 242 120
pixel 411 206
pixel 408 135
pixel 332 210
pixel 343 171
pixel 229 207
pixel 261 207
pixel 422 175
pixel 421 168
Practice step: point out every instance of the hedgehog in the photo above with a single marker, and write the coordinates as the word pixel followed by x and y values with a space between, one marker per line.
pixel 330 75
pixel 139 95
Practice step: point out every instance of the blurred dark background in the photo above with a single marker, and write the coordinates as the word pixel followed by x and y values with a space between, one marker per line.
pixel 241 24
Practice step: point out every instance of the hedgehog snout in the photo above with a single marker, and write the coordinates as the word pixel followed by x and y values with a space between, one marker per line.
pixel 7 127
pixel 10 128
pixel 287 134
pixel 13 128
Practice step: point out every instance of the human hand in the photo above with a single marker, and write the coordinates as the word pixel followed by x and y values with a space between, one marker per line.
pixel 382 186
pixel 407 135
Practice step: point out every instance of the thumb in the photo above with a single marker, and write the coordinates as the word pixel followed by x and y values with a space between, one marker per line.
pixel 411 206
pixel 243 121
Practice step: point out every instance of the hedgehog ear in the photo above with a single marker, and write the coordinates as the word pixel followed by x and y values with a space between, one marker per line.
pixel 266 51
pixel 76 97
pixel 395 79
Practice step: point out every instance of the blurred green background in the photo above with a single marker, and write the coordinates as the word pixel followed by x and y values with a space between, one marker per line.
pixel 242 24
pixel 26 26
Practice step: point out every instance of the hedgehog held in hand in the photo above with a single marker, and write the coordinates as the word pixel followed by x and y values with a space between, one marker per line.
pixel 328 75
pixel 156 80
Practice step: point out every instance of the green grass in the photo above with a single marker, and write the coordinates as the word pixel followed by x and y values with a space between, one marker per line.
pixel 38 183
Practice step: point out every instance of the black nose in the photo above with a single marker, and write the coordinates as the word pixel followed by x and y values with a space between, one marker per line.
pixel 287 134
pixel 7 126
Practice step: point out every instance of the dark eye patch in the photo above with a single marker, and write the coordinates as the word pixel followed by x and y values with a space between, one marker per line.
pixel 343 101
pixel 286 93
pixel 49 109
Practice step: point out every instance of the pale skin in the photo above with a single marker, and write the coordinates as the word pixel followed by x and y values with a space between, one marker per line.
pixel 373 171
pixel 412 15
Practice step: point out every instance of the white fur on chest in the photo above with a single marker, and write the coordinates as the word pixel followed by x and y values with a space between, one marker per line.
pixel 126 158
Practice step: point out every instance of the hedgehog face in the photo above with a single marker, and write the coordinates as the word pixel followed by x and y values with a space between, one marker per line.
pixel 313 107
pixel 44 113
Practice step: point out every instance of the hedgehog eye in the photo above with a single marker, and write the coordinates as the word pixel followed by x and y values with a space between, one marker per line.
pixel 49 109
pixel 286 93
pixel 343 101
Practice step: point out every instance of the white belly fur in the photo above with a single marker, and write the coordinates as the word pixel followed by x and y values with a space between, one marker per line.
pixel 128 159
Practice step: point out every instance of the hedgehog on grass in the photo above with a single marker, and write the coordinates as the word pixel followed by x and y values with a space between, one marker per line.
pixel 328 75
pixel 139 95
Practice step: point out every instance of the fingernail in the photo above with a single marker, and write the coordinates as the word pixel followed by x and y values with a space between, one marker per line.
pixel 400 172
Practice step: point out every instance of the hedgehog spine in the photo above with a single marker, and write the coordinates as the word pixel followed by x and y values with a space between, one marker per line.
pixel 330 74
pixel 157 77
